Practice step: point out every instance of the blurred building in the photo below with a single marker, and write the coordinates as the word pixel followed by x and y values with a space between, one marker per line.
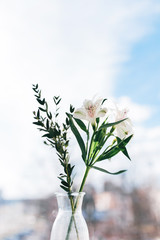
pixel 111 215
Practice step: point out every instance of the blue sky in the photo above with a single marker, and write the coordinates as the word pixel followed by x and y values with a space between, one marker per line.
pixel 139 77
pixel 77 50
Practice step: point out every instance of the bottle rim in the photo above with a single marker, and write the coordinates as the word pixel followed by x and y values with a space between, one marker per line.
pixel 75 194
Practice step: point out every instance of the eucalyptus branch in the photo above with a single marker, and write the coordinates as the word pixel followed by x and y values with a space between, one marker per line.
pixel 56 136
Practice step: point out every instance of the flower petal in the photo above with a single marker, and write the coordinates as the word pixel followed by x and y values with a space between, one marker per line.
pixel 79 113
pixel 98 102
pixel 87 103
pixel 124 129
pixel 102 112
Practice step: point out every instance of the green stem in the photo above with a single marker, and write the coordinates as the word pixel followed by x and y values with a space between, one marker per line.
pixel 90 148
pixel 84 178
pixel 93 161
pixel 87 144
pixel 74 206
pixel 71 220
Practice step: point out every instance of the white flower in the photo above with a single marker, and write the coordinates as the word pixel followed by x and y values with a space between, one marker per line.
pixel 90 110
pixel 125 128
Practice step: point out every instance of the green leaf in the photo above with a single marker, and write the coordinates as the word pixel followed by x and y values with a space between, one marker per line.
pixel 105 171
pixel 71 109
pixel 110 153
pixel 47 124
pixel 78 136
pixel 124 151
pixel 47 135
pixel 126 140
pixel 116 149
pixel 64 188
pixel 81 124
pixel 122 144
pixel 70 169
pixel 103 101
pixel 58 101
pixel 64 183
pixel 43 110
pixel 51 133
pixel 97 120
pixel 49 115
pixel 51 141
pixel 38 114
pixel 111 124
pixel 42 129
pixel 42 102
pixel 100 134
pixel 38 123
pixel 67 121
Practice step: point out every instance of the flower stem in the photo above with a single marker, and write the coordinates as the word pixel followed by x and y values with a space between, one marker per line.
pixel 72 220
pixel 84 178
pixel 74 206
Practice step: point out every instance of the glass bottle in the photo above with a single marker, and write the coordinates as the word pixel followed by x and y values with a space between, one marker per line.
pixel 69 223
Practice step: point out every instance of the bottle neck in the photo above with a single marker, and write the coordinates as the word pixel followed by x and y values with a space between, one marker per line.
pixel 72 202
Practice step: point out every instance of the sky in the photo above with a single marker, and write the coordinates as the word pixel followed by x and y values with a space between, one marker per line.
pixel 76 50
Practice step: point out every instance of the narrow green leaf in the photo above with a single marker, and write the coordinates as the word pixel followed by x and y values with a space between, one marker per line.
pixel 116 149
pixel 78 136
pixel 122 144
pixel 67 121
pixel 64 188
pixel 71 109
pixel 41 129
pixel 64 183
pixel 43 110
pixel 49 115
pixel 81 124
pixel 61 178
pixel 100 134
pixel 47 135
pixel 58 101
pixel 57 97
pixel 103 101
pixel 111 124
pixel 62 175
pixel 105 171
pixel 41 101
pixel 47 124
pixel 126 140
pixel 97 120
pixel 38 114
pixel 110 153
pixel 53 132
pixel 34 89
pixel 38 123
pixel 125 152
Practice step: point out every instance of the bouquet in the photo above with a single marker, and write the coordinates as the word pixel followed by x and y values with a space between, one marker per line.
pixel 98 138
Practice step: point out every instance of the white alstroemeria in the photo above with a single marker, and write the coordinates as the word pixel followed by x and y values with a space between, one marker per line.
pixel 90 110
pixel 125 128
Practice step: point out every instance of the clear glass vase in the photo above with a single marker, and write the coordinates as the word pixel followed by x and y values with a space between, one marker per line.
pixel 69 223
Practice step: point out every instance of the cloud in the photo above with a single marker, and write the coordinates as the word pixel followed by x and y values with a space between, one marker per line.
pixel 139 113
pixel 145 153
